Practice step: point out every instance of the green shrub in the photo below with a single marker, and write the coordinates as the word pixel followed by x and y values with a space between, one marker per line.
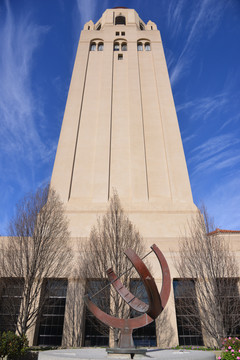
pixel 231 349
pixel 12 345
pixel 3 345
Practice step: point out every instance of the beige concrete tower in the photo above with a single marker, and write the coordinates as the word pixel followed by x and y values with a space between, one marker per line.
pixel 120 130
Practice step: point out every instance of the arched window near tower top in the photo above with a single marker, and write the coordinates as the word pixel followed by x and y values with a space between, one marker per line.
pixel 124 46
pixel 93 46
pixel 100 46
pixel 120 20
pixel 139 46
pixel 147 46
pixel 116 46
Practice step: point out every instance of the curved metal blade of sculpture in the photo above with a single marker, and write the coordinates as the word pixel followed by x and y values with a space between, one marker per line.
pixel 150 311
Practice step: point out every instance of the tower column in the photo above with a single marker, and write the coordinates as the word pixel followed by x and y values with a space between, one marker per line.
pixel 120 131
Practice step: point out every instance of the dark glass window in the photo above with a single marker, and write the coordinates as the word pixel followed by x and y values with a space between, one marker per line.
pixel 96 333
pixel 99 27
pixel 145 336
pixel 139 46
pixel 123 33
pixel 147 46
pixel 229 301
pixel 124 46
pixel 11 295
pixel 120 20
pixel 100 46
pixel 93 46
pixel 188 318
pixel 120 56
pixel 141 26
pixel 116 46
pixel 117 33
pixel 52 317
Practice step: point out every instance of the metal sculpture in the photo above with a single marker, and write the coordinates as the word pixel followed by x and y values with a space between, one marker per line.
pixel 149 311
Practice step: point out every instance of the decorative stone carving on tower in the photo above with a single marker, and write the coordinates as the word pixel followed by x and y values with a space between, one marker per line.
pixel 120 130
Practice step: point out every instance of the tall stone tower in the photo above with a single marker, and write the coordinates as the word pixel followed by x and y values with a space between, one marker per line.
pixel 120 130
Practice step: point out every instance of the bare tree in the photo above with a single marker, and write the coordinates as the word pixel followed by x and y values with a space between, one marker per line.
pixel 37 248
pixel 113 234
pixel 74 321
pixel 206 262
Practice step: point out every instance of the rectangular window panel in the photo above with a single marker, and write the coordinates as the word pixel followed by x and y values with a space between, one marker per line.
pixel 96 333
pixel 11 295
pixel 188 319
pixel 145 336
pixel 52 317
pixel 228 295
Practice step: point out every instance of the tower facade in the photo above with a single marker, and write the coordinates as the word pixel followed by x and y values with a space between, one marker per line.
pixel 120 131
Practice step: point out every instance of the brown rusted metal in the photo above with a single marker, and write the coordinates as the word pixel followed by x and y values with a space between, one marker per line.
pixel 152 310
pixel 131 300
pixel 166 278
pixel 154 301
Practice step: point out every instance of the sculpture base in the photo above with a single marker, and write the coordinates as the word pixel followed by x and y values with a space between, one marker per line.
pixel 128 352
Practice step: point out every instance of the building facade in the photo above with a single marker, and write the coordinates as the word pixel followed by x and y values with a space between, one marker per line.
pixel 120 131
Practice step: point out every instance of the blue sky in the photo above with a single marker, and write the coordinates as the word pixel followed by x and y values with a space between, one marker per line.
pixel 201 38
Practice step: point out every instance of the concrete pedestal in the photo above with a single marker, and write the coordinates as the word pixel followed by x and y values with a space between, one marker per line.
pixel 97 353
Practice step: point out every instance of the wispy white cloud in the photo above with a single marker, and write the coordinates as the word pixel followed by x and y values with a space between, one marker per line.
pixel 230 161
pixel 19 38
pixel 181 66
pixel 214 154
pixel 217 162
pixel 216 144
pixel 223 202
pixel 22 148
pixel 202 108
pixel 232 119
pixel 174 16
pixel 188 138
pixel 87 10
pixel 204 20
pixel 170 57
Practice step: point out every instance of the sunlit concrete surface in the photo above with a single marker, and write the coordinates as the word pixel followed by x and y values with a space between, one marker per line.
pixel 94 354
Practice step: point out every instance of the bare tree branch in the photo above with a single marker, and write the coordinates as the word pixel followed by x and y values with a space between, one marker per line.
pixel 37 248
pixel 113 234
pixel 205 257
